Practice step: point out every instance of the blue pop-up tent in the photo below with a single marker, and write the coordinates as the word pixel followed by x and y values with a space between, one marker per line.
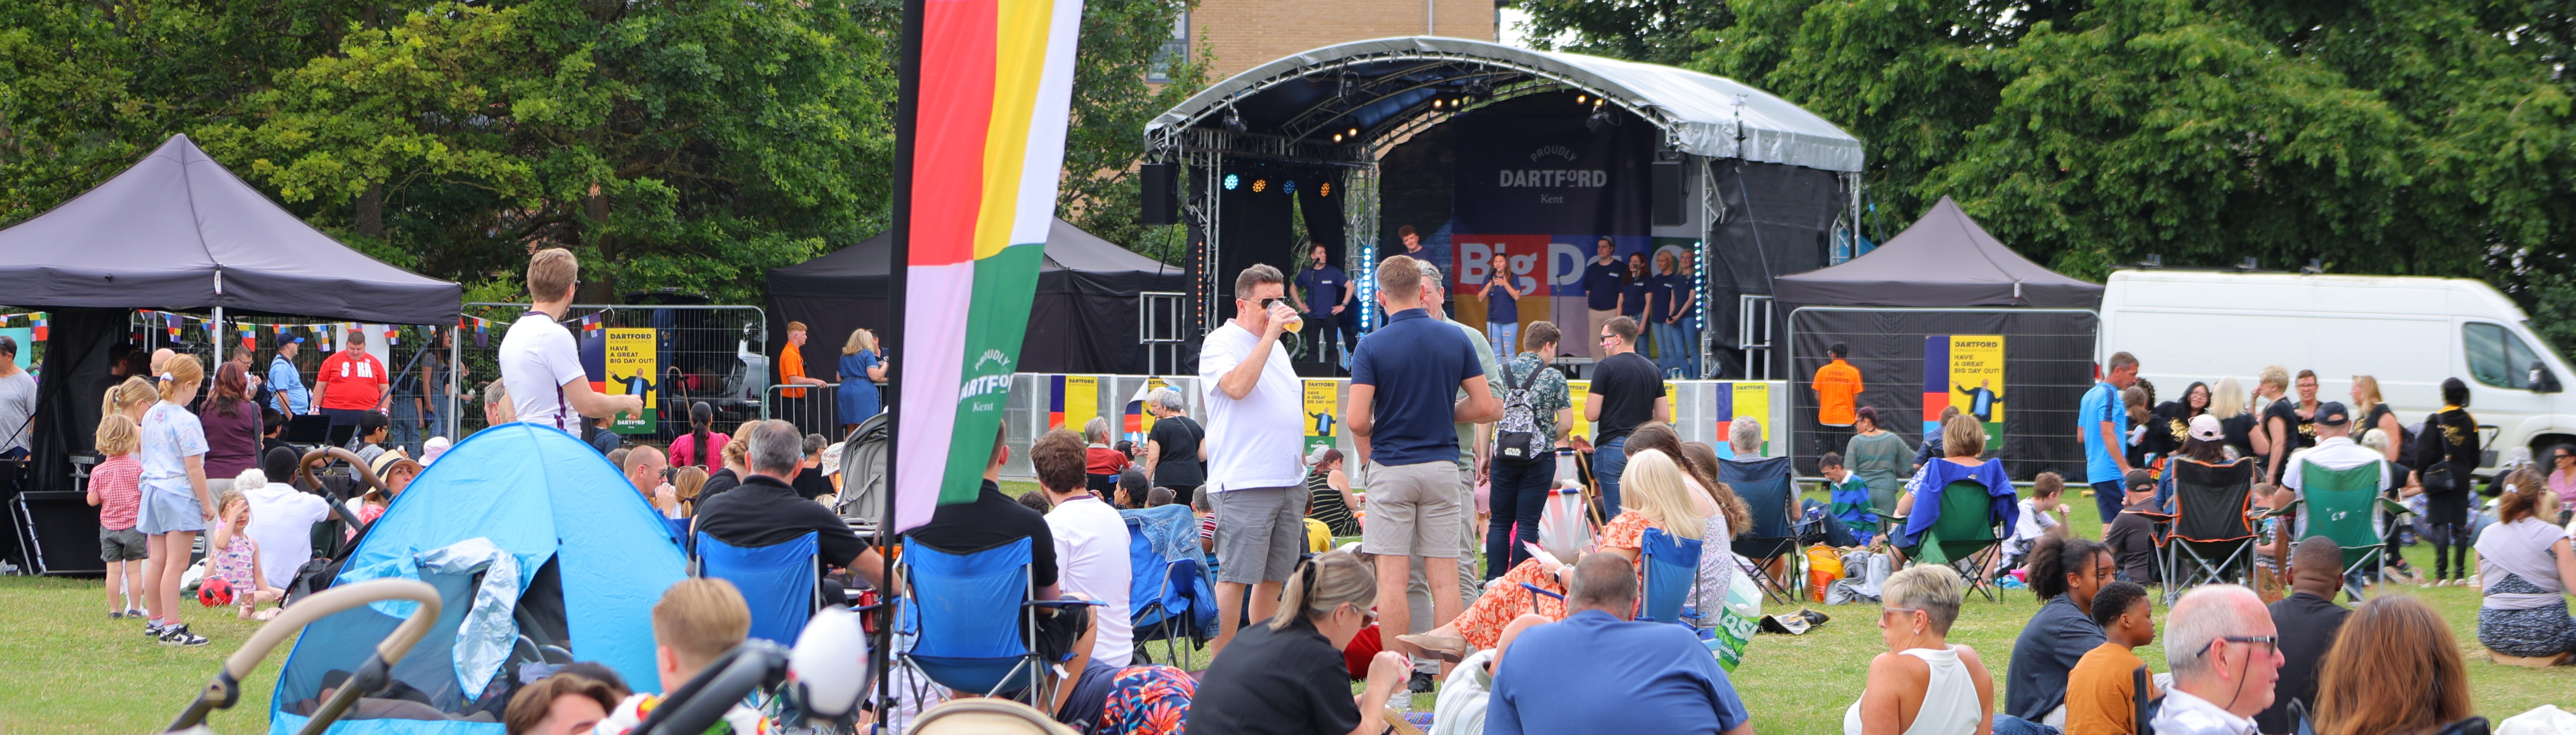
pixel 534 541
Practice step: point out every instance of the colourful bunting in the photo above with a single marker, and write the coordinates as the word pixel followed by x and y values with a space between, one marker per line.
pixel 39 319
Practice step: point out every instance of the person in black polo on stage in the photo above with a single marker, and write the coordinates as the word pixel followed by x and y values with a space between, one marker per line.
pixel 1324 294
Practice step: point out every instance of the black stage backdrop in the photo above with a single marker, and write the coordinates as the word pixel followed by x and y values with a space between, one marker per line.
pixel 1532 167
pixel 2048 364
pixel 1415 180
pixel 1255 226
pixel 1778 221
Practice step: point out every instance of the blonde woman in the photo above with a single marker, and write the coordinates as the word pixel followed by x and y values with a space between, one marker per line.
pixel 176 501
pixel 860 369
pixel 2376 417
pixel 2272 440
pixel 1288 676
pixel 2227 402
pixel 1654 493
pixel 1923 685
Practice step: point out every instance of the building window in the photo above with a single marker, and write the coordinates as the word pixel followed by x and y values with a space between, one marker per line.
pixel 1175 51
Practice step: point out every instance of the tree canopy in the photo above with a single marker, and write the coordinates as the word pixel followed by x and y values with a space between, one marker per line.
pixel 672 144
pixel 2379 136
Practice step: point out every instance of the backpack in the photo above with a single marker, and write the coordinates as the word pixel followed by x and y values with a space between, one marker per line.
pixel 266 396
pixel 1517 440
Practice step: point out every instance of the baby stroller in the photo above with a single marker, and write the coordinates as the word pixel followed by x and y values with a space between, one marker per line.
pixel 371 676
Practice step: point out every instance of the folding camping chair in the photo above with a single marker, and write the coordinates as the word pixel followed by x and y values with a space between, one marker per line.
pixel 967 622
pixel 1671 567
pixel 2345 505
pixel 1171 598
pixel 1965 537
pixel 781 581
pixel 1767 492
pixel 2211 541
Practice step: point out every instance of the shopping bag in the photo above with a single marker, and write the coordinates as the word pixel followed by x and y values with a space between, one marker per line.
pixel 1736 623
pixel 1823 567
pixel 1563 528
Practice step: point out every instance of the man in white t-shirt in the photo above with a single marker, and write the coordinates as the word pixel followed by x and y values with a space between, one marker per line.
pixel 1256 468
pixel 540 364
pixel 1090 544
pixel 281 520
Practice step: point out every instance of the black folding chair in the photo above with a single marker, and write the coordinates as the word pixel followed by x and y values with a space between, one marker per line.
pixel 2212 540
pixel 1777 525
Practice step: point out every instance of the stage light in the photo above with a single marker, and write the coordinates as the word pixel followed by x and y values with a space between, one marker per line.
pixel 1599 118
pixel 1287 186
pixel 1324 189
pixel 1479 89
pixel 1231 181
pixel 1234 121
pixel 1337 137
pixel 1260 184
pixel 1355 132
pixel 1435 103
pixel 1579 99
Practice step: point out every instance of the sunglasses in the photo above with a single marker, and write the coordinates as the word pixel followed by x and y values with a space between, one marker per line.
pixel 1273 301
pixel 2269 643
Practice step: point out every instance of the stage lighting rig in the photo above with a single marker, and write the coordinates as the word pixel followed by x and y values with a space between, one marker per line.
pixel 1600 116
pixel 1234 121
pixel 1479 89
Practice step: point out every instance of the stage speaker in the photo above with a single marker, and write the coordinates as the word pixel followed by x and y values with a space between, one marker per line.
pixel 60 530
pixel 1669 202
pixel 1161 181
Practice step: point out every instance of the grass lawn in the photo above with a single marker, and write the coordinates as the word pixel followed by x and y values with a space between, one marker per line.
pixel 66 668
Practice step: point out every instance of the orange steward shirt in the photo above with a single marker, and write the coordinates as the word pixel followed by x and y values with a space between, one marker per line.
pixel 791 364
pixel 1837 384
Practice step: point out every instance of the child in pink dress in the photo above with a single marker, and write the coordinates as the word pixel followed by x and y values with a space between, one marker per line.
pixel 235 559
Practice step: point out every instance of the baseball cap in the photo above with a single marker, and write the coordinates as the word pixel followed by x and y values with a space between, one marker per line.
pixel 290 339
pixel 2332 413
pixel 2206 428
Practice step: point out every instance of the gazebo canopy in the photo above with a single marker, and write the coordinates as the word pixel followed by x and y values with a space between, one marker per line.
pixel 178 231
pixel 1942 260
pixel 1379 86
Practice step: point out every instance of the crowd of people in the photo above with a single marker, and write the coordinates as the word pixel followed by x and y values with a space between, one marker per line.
pixel 1536 640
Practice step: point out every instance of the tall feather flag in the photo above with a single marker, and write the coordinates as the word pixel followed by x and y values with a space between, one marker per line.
pixel 996 77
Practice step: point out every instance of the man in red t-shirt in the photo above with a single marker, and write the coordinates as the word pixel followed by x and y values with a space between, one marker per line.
pixel 351 382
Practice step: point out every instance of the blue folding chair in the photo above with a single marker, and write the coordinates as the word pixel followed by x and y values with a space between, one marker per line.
pixel 1671 566
pixel 781 582
pixel 1171 598
pixel 967 620
pixel 1765 486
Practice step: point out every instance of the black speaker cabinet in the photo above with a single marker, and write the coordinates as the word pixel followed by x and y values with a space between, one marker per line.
pixel 60 530
pixel 1669 202
pixel 1159 183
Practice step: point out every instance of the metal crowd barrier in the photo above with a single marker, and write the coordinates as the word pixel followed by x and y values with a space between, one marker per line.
pixel 715 354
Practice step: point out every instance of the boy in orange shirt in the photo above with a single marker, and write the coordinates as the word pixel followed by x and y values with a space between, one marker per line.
pixel 2101 689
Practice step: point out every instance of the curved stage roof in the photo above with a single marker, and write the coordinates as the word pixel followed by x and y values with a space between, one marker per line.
pixel 1379 85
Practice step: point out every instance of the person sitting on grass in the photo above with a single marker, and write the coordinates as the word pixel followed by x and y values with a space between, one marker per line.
pixel 2042 513
pixel 1287 676
pixel 1600 671
pixel 1134 491
pixel 2394 668
pixel 1850 497
pixel 2064 572
pixel 1923 685
pixel 1101 462
pixel 697 620
pixel 2308 620
pixel 561 704
pixel 235 555
pixel 2101 694
pixel 372 430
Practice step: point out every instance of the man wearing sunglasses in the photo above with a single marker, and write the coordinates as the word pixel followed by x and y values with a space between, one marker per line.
pixel 2225 655
pixel 1256 469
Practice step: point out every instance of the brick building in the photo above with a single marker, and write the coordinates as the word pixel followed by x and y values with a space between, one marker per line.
pixel 1242 34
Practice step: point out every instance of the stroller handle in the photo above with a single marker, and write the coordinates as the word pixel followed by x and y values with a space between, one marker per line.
pixel 225 690
pixel 357 469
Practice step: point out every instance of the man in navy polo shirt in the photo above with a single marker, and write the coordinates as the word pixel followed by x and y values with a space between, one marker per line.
pixel 1323 293
pixel 1601 281
pixel 1402 412
pixel 1601 671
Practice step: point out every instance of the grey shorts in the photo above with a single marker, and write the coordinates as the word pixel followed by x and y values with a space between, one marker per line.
pixel 1259 531
pixel 121 544
pixel 1414 510
pixel 164 512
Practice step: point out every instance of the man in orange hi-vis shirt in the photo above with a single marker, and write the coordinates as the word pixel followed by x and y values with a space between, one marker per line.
pixel 1837 385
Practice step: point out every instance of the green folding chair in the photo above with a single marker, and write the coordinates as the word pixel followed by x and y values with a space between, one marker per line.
pixel 1965 537
pixel 2344 505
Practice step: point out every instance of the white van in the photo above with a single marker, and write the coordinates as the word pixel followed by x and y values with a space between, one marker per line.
pixel 2408 332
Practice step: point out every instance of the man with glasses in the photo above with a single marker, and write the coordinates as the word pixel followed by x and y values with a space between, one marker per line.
pixel 1255 441
pixel 2225 655
pixel 1626 391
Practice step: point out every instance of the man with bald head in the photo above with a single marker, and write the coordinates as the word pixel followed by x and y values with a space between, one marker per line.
pixel 644 466
pixel 2308 620
pixel 2225 656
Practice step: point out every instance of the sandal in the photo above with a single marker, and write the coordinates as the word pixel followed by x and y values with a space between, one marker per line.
pixel 1441 648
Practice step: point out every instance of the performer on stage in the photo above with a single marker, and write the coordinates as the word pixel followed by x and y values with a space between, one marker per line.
pixel 1502 308
pixel 1324 293
pixel 1602 280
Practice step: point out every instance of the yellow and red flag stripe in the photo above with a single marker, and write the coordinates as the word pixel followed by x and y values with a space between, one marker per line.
pixel 988 147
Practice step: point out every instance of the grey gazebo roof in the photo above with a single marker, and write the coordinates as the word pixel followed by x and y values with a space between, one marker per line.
pixel 178 231
pixel 1702 114
pixel 1942 260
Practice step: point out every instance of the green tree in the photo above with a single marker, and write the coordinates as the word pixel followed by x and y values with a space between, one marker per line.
pixel 1111 104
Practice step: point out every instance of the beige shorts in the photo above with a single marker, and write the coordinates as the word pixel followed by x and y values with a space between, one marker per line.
pixel 1414 510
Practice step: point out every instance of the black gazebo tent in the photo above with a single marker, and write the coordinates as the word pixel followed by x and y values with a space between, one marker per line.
pixel 1944 275
pixel 178 232
pixel 1084 319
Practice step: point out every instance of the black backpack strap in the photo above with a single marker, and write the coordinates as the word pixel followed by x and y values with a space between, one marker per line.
pixel 2138 684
